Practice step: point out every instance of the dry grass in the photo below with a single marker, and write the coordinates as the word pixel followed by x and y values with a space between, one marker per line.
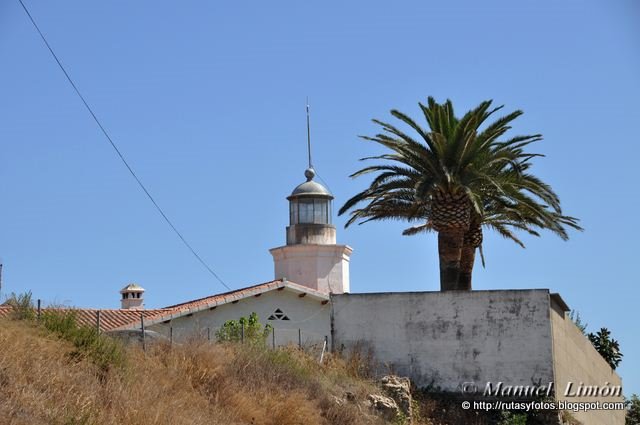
pixel 44 381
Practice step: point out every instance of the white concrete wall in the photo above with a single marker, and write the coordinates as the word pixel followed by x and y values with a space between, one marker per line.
pixel 577 361
pixel 306 313
pixel 443 339
pixel 324 268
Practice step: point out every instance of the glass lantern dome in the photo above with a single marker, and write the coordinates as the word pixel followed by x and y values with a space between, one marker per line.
pixel 310 202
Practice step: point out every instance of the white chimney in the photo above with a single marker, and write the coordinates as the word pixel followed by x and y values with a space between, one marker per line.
pixel 132 297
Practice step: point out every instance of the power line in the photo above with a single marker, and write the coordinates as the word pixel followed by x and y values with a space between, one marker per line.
pixel 120 155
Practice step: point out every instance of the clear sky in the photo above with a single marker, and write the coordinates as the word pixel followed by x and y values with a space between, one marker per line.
pixel 207 100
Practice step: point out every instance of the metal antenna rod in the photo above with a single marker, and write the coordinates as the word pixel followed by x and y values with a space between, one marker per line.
pixel 308 135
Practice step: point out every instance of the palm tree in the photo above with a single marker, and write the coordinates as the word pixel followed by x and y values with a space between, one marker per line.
pixel 504 220
pixel 458 177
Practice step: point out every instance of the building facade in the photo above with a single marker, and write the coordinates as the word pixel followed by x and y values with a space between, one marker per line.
pixel 480 343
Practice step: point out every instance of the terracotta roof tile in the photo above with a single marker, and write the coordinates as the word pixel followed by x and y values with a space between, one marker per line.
pixel 213 300
pixel 234 294
pixel 127 319
pixel 109 319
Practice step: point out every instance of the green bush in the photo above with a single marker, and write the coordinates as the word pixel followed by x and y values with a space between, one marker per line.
pixel 62 322
pixel 510 418
pixel 22 305
pixel 103 351
pixel 244 329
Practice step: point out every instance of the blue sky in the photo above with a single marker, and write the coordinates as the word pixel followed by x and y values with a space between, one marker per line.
pixel 207 100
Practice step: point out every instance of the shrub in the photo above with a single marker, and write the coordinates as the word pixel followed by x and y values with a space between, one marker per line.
pixel 244 329
pixel 360 361
pixel 191 383
pixel 510 418
pixel 103 351
pixel 22 305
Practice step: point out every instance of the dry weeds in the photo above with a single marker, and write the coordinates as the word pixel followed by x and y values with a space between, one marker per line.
pixel 43 382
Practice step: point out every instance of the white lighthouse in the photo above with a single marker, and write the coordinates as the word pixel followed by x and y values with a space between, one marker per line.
pixel 311 256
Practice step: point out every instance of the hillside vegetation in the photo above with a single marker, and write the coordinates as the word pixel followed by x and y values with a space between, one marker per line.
pixel 50 375
pixel 54 372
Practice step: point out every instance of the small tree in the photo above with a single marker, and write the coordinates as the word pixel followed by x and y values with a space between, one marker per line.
pixel 633 410
pixel 254 332
pixel 608 347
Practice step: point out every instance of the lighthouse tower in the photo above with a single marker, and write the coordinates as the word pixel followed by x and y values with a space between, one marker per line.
pixel 311 256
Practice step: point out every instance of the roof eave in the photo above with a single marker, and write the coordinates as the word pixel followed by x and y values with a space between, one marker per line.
pixel 244 293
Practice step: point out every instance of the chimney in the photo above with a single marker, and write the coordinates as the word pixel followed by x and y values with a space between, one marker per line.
pixel 132 297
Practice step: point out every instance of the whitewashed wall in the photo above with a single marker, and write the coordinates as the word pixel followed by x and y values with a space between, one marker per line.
pixel 305 313
pixel 324 268
pixel 578 362
pixel 444 339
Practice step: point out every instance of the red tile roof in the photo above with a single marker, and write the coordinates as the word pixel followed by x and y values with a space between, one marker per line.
pixel 109 319
pixel 130 319
pixel 177 310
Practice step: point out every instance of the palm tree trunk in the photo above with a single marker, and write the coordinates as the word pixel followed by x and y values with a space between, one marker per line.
pixel 472 240
pixel 467 258
pixel 449 251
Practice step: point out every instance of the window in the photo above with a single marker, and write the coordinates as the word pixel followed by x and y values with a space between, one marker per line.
pixel 306 211
pixel 320 211
pixel 310 210
pixel 278 315
pixel 293 212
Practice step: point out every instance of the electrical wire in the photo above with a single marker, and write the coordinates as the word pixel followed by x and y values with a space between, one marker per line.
pixel 120 155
